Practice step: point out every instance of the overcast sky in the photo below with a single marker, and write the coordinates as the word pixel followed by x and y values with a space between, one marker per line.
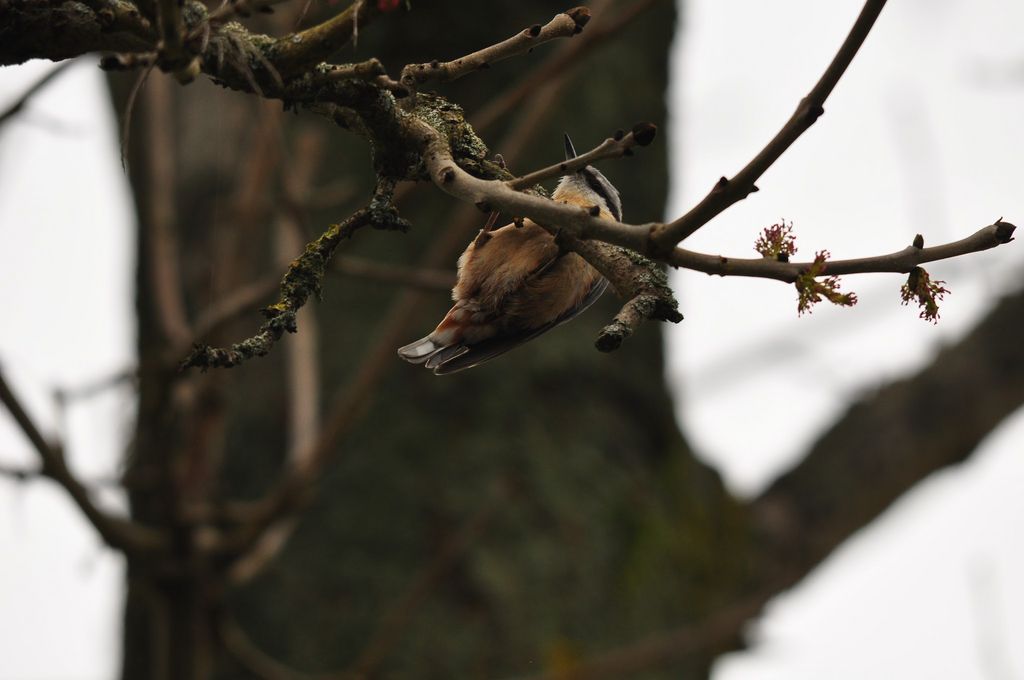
pixel 923 134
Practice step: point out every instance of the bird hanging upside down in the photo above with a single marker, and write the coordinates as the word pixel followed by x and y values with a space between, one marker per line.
pixel 516 283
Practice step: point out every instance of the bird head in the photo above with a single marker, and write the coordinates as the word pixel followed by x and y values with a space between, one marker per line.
pixel 588 186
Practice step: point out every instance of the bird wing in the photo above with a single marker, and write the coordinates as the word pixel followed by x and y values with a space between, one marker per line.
pixel 478 353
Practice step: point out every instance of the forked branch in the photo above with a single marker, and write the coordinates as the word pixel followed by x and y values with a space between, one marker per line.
pixel 729 191
pixel 116 532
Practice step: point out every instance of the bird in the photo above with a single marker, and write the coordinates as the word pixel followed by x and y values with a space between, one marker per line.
pixel 515 283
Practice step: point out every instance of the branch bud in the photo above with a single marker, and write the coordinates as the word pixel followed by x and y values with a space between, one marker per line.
pixel 644 133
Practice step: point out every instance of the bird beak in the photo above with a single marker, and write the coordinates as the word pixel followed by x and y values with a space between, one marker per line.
pixel 570 152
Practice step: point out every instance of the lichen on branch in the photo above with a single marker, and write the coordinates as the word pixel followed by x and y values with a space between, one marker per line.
pixel 303 279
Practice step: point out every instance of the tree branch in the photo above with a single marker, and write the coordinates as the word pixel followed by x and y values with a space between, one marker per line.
pixel 51 29
pixel 729 191
pixel 303 279
pixel 19 104
pixel 304 50
pixel 173 55
pixel 566 24
pixel 613 147
pixel 163 250
pixel 900 261
pixel 116 532
pixel 557 66
pixel 636 279
pixel 20 474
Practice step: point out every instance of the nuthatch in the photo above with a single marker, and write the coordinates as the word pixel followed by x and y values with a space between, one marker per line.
pixel 516 283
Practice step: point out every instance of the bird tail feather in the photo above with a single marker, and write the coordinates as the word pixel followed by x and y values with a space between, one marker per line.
pixel 419 351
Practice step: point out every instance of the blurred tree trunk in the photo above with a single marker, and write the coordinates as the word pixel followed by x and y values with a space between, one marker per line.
pixel 563 466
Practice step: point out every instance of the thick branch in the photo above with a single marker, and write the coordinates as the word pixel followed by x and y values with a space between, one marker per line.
pixel 301 51
pixel 116 532
pixel 729 191
pixel 56 30
pixel 564 25
pixel 900 261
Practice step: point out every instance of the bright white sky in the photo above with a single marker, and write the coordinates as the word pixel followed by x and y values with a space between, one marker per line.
pixel 923 135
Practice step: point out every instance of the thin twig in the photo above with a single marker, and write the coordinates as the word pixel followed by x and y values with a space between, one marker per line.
pixel 303 279
pixel 231 8
pixel 162 244
pixel 229 307
pixel 247 298
pixel 363 70
pixel 729 191
pixel 561 63
pixel 129 108
pixel 100 385
pixel 566 24
pixel 903 261
pixel 19 103
pixel 116 532
pixel 20 474
pixel 613 147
